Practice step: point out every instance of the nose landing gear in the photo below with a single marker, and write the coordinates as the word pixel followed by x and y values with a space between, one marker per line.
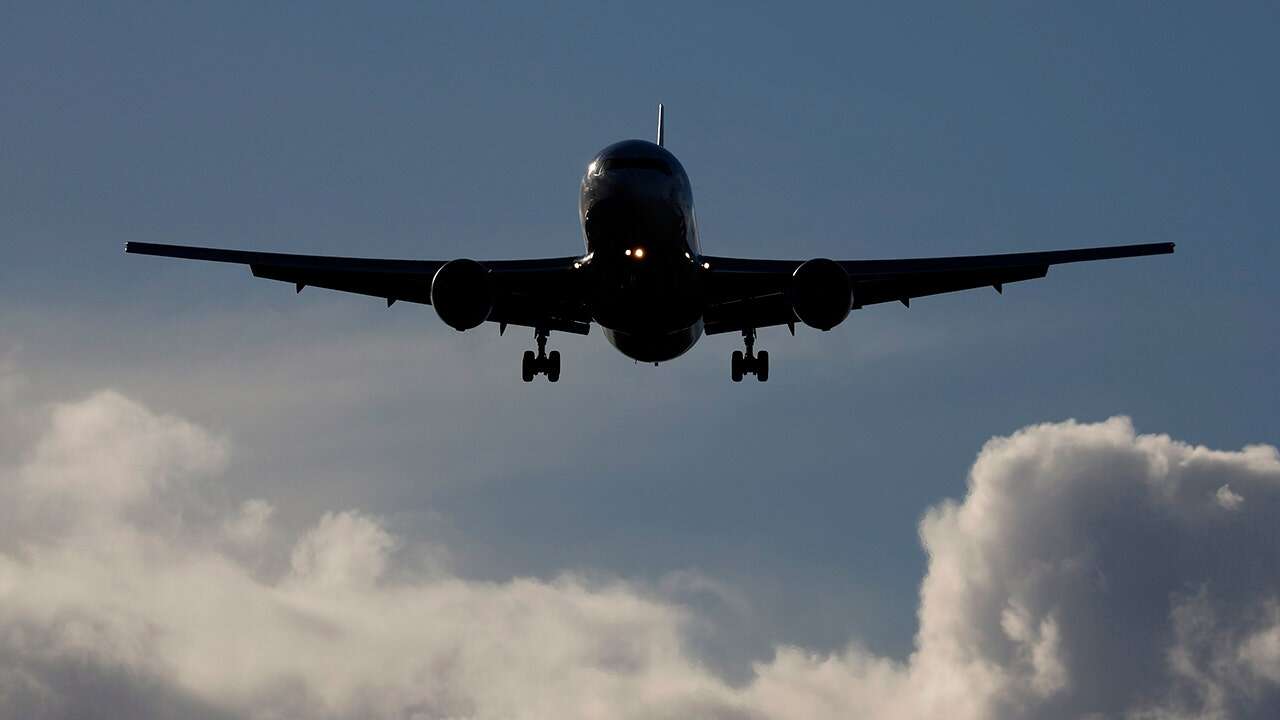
pixel 749 362
pixel 543 363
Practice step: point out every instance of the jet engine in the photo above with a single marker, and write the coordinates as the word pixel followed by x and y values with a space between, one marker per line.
pixel 461 294
pixel 820 293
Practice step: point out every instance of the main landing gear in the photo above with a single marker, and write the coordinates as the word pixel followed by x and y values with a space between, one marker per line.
pixel 750 362
pixel 543 363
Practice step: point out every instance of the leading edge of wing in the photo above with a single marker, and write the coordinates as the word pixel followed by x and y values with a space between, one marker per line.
pixel 858 269
pixel 282 260
pixel 331 262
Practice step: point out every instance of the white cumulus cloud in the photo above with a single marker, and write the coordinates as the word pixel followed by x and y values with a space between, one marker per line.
pixel 1083 574
pixel 1228 499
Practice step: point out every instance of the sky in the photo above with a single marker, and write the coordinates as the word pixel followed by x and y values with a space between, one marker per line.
pixel 949 502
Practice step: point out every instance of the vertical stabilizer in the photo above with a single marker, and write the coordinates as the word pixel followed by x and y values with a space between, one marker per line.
pixel 661 133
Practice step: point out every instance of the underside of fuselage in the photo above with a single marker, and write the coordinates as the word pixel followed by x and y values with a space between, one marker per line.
pixel 636 209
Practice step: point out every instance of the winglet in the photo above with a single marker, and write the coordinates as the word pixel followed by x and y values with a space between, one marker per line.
pixel 661 133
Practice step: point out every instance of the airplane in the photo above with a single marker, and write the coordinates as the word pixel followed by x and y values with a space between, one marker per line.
pixel 644 278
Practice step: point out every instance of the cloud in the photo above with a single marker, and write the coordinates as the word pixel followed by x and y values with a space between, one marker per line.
pixel 249 525
pixel 1088 572
pixel 109 454
pixel 1227 499
pixel 1114 540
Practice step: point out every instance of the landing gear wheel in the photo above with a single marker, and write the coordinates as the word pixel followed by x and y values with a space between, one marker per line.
pixel 748 362
pixel 553 366
pixel 541 363
pixel 527 366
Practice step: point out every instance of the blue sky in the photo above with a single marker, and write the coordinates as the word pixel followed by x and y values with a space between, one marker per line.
pixel 444 131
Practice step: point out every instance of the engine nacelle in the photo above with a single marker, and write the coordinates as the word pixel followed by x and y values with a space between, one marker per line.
pixel 820 293
pixel 461 294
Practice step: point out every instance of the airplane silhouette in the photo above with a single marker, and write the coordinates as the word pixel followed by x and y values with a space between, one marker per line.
pixel 644 278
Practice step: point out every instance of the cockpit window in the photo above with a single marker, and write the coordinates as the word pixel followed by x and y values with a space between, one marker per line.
pixel 636 163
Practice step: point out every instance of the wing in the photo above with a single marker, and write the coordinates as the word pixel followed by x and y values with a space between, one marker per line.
pixel 744 294
pixel 543 292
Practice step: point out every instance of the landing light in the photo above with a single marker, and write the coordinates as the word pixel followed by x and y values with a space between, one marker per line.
pixel 627 252
pixel 639 253
pixel 706 266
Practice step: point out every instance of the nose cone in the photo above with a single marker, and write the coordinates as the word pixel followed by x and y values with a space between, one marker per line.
pixel 635 157
pixel 633 192
pixel 637 173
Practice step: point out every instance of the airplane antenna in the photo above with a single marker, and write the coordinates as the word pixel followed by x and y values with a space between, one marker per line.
pixel 660 125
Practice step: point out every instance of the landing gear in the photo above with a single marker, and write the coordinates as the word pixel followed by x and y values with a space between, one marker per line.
pixel 749 362
pixel 543 363
pixel 553 367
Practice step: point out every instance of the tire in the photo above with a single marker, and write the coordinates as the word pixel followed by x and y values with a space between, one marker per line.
pixel 735 366
pixel 553 366
pixel 762 366
pixel 526 366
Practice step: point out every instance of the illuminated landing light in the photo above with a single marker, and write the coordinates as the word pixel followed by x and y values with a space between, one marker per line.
pixel 706 266
pixel 687 256
pixel 577 265
pixel 627 252
pixel 639 253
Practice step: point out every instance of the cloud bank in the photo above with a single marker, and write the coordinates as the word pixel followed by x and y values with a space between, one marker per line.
pixel 1088 572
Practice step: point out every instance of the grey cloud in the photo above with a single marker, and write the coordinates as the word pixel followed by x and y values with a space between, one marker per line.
pixel 1088 571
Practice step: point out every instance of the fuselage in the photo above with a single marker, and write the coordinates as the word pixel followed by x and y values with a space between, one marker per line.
pixel 636 209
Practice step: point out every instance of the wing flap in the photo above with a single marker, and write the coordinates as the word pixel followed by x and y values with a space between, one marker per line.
pixel 905 287
pixel 410 287
pixel 754 312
